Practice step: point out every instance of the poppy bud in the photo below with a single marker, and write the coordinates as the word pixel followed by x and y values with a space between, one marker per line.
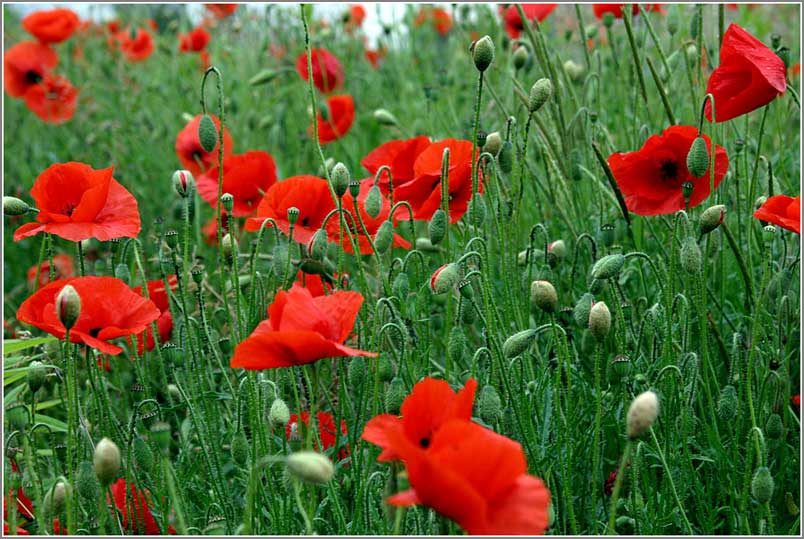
pixel 698 158
pixel 581 311
pixel 86 483
pixel 543 296
pixel 445 278
pixel 207 133
pixel 17 414
pixel 493 143
pixel 383 117
pixel 340 179
pixel 483 53
pixel 621 365
pixel 457 343
pixel 437 228
pixel 354 188
pixel 489 405
pixel 385 368
pixel 384 237
pixel 687 189
pixel 518 343
pixel 401 285
pixel 520 56
pixel 790 503
pixel 183 182
pixel 769 232
pixel 599 320
pixel 36 375
pixel 317 246
pixel 263 77
pixel 56 497
pixel 774 427
pixel 558 249
pixel 310 466
pixel 229 246
pixel 540 92
pixel 143 456
pixel 712 218
pixel 239 448
pixel 107 461
pixel 608 19
pixel 68 306
pixel 673 20
pixel 608 267
pixel 477 209
pixel 641 414
pixel 227 201
pixel 395 395
pixel 279 414
pixel 356 373
pixel 573 70
pixel 423 244
pixel 692 53
pixel 762 485
pixel 691 259
pixel 160 434
pixel 784 54
pixel 624 525
pixel 506 157
pixel 776 40
pixel 13 206
pixel 174 393
pixel 172 239
pixel 373 203
pixel 728 404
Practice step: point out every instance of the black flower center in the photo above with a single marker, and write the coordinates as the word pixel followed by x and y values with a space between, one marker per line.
pixel 668 169
pixel 305 221
pixel 424 442
pixel 33 77
pixel 68 210
pixel 95 331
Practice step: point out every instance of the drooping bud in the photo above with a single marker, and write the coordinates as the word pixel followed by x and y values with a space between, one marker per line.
pixel 456 343
pixel 395 395
pixel 641 414
pixel 582 309
pixel 728 404
pixel 279 414
pixel 13 206
pixel 373 202
pixel 712 218
pixel 86 482
pixel 520 57
pixel 673 20
pixel 437 228
pixel 36 375
pixel 698 158
pixel 340 179
pixel 543 296
pixel 263 77
pixel 476 212
pixel 401 285
pixel 385 369
pixel 774 428
pixel 574 71
pixel 489 405
pixel 239 448
pixel 493 143
pixel 690 254
pixel 483 53
pixel 56 498
pixel 384 237
pixel 68 306
pixel 107 461
pixel 445 278
pixel 17 414
pixel 229 246
pixel 183 182
pixel 506 157
pixel 207 133
pixel 518 343
pixel 608 267
pixel 317 246
pixel 356 373
pixel 383 117
pixel 762 485
pixel 599 320
pixel 143 456
pixel 540 92
pixel 310 466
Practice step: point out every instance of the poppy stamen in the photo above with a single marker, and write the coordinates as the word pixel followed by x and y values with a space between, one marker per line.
pixel 668 169
pixel 94 332
pixel 305 221
pixel 424 442
pixel 33 77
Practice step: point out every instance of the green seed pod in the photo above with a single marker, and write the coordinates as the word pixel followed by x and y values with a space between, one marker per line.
pixel 518 343
pixel 774 428
pixel 317 246
pixel 310 466
pixel 543 296
pixel 68 306
pixel 574 71
pixel 437 228
pixel 476 212
pixel 160 434
pixel 505 159
pixel 356 373
pixel 384 237
pixel 13 206
pixel 457 343
pixel 540 92
pixel 385 368
pixel 625 525
pixel 423 244
pixel 691 258
pixel 340 179
pixel 698 158
pixel 712 218
pixel 762 485
pixel 395 395
pixel 599 320
pixel 373 203
pixel 401 285
pixel 172 240
pixel 86 482
pixel 240 449
pixel 608 19
pixel 445 278
pixel 107 461
pixel 279 414
pixel 143 456
pixel 227 201
pixel 354 188
pixel 575 160
pixel 608 267
pixel 692 53
pixel 383 117
pixel 489 405
pixel 621 366
pixel 207 133
pixel 581 311
pixel 520 57
pixel 784 54
pixel 36 375
pixel 483 53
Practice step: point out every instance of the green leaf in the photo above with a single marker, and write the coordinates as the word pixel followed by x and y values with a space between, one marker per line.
pixel 12 346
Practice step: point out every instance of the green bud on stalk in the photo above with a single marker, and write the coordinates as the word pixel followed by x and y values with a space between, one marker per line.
pixel 384 237
pixel 279 414
pixel 489 405
pixel 239 448
pixel 493 143
pixel 183 182
pixel 340 179
pixel 599 320
pixel 107 461
pixel 518 343
pixel 581 311
pixel 207 133
pixel 520 57
pixel 68 306
pixel 691 258
pixel 356 373
pixel 728 404
pixel 395 395
pixel 13 206
pixel 317 246
pixel 143 456
pixel 543 296
pixel 437 228
pixel 445 278
pixel 698 158
pixel 642 414
pixel 36 375
pixel 712 218
pixel 506 157
pixel 86 482
pixel 373 203
pixel 483 53
pixel 762 485
pixel 383 117
pixel 608 267
pixel 540 92
pixel 310 467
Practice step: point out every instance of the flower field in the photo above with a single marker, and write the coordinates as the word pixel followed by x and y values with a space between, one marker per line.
pixel 485 269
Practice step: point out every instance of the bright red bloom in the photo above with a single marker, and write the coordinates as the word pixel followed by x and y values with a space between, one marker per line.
pixel 138 48
pixel 63 265
pixel 651 178
pixel 431 404
pixel 24 503
pixel 475 477
pixel 326 430
pixel 795 400
pixel 195 40
pixel 137 517
pixel 424 191
pixel 164 324
pixel 309 194
pixel 513 22
pixel 399 156
pixel 782 210
pixel 113 26
pixel 109 309
pixel 357 14
pixel 373 57
pixel 372 224
pixel 221 11
pixel 341 114
pixel 52 100
pixel 438 17
pixel 315 283
pixel 51 26
pixel 616 9
pixel 245 176
pixel 77 202
pixel 301 329
pixel 327 70
pixel 749 76
pixel 7 530
pixel 190 151
pixel 25 65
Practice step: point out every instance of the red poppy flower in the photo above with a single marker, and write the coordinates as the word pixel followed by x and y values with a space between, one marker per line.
pixel 203 56
pixel 278 51
pixel 113 26
pixel 51 26
pixel 309 194
pixel 7 530
pixel 439 18
pixel 63 265
pixel 475 477
pixel 327 70
pixel 25 65
pixel 221 11
pixel 513 22
pixel 192 155
pixel 315 283
pixel 246 177
pixel 782 210
pixel 109 309
pixel 24 503
pixel 795 70
pixel 749 76
pixel 138 48
pixel 399 156
pixel 77 202
pixel 431 404
pixel 136 516
pixel 164 324
pixel 616 9
pixel 195 40
pixel 373 57
pixel 340 115
pixel 326 430
pixel 52 100
pixel 651 178
pixel 357 14
pixel 301 329
pixel 424 191
pixel 795 400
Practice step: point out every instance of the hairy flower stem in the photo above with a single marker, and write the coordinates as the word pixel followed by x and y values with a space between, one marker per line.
pixel 618 483
pixel 475 148
pixel 72 427
pixel 596 438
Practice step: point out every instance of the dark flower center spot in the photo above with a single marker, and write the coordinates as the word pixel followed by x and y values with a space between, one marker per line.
pixel 68 210
pixel 424 442
pixel 33 77
pixel 668 169
pixel 305 221
pixel 94 332
pixel 196 155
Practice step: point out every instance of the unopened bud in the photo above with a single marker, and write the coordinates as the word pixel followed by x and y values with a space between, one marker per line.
pixel 774 428
pixel 143 456
pixel 518 343
pixel 13 206
pixel 445 278
pixel 340 179
pixel 68 306
pixel 489 405
pixel 574 71
pixel 239 448
pixel 483 53
pixel 506 157
pixel 540 92
pixel 698 158
pixel 401 286
pixel 384 237
pixel 395 395
pixel 582 309
pixel 183 182
pixel 385 369
pixel 317 246
pixel 36 375
pixel 107 461
pixel 160 434
pixel 599 320
pixel 728 404
pixel 521 56
pixel 641 414
pixel 356 372
pixel 56 498
pixel 229 246
pixel 608 19
pixel 383 117
pixel 712 218
pixel 608 267
pixel 279 413
pixel 437 227
pixel 493 143
pixel 207 133
pixel 691 258
pixel 263 77
pixel 457 343
pixel 543 296
pixel 373 202
pixel 762 485
pixel 310 466
pixel 86 482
